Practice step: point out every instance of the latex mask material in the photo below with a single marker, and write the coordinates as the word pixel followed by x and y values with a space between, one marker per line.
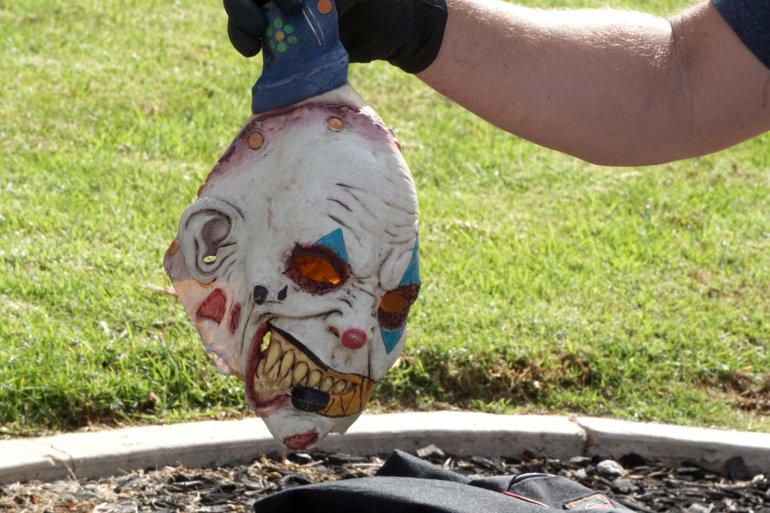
pixel 298 263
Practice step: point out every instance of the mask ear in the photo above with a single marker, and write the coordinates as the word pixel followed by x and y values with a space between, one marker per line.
pixel 207 234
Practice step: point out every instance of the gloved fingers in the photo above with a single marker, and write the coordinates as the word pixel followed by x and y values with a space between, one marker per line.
pixel 344 6
pixel 246 16
pixel 288 5
pixel 373 30
pixel 356 43
pixel 246 44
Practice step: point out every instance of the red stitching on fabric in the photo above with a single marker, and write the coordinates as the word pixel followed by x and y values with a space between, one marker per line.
pixel 525 499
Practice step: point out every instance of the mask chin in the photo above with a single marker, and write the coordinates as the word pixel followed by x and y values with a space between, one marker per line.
pixel 299 431
pixel 344 424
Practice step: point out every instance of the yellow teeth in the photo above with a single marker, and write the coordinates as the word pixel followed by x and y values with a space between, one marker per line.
pixel 284 366
pixel 285 382
pixel 314 379
pixel 287 363
pixel 326 384
pixel 300 373
pixel 273 352
pixel 272 374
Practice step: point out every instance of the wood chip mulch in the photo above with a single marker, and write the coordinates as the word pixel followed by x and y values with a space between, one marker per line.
pixel 633 481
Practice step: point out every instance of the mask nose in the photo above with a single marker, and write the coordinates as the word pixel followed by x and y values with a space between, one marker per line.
pixel 261 294
pixel 354 338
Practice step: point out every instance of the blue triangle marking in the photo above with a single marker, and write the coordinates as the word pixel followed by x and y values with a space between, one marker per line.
pixel 412 273
pixel 391 338
pixel 334 241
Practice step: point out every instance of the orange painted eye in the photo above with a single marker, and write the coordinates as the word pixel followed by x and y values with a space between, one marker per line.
pixel 316 269
pixel 393 302
pixel 395 305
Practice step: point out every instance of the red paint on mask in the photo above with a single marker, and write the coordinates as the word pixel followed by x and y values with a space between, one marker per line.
pixel 213 307
pixel 235 318
pixel 301 440
pixel 262 408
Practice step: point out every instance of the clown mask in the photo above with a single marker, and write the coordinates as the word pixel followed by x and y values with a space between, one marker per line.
pixel 298 262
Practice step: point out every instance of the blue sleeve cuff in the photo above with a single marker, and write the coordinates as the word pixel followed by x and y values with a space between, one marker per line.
pixel 750 19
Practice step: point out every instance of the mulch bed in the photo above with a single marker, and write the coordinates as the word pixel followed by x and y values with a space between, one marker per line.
pixel 639 484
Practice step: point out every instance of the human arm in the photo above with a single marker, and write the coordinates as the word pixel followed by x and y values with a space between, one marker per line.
pixel 611 87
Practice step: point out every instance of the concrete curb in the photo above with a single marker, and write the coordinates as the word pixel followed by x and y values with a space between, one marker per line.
pixel 103 453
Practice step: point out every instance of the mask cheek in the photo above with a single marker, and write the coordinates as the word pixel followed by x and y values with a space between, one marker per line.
pixel 217 318
pixel 386 349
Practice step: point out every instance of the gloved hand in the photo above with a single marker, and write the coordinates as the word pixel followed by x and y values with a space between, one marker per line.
pixel 406 33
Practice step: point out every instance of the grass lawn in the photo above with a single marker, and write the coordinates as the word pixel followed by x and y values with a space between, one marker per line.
pixel 550 285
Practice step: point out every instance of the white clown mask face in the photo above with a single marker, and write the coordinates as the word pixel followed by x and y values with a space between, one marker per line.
pixel 298 263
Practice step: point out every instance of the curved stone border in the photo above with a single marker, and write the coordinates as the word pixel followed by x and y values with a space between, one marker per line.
pixel 102 453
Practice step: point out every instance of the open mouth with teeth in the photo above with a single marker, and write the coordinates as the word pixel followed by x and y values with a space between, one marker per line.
pixel 281 368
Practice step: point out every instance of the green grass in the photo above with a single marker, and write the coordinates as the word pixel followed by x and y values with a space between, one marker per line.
pixel 550 285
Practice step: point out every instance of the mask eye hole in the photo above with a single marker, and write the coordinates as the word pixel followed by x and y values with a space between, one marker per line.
pixel 317 269
pixel 395 304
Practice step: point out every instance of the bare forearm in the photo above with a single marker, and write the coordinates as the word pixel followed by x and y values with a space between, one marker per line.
pixel 611 87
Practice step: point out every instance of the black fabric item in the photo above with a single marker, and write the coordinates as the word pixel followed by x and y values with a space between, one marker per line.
pixel 406 33
pixel 556 491
pixel 750 20
pixel 499 484
pixel 408 484
pixel 386 494
pixel 401 464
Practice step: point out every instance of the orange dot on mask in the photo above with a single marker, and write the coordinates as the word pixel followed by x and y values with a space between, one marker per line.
pixel 335 124
pixel 255 140
pixel 324 6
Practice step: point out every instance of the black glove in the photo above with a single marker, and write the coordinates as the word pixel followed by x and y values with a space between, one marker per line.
pixel 245 22
pixel 406 33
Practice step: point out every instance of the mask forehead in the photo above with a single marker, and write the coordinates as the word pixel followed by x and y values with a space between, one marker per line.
pixel 350 216
pixel 308 177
